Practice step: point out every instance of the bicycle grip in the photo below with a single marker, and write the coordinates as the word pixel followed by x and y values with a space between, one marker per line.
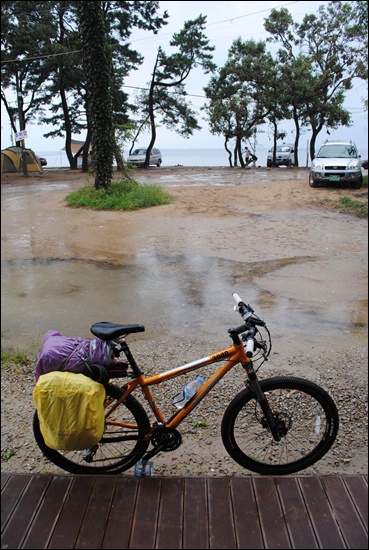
pixel 236 298
pixel 250 346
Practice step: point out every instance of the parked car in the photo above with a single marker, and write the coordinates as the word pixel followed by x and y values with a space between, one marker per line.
pixel 336 161
pixel 139 155
pixel 284 155
pixel 42 161
pixel 364 164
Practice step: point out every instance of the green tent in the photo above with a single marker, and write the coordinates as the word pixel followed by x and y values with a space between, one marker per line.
pixel 12 160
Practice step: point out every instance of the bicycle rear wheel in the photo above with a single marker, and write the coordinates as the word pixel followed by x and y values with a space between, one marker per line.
pixel 119 448
pixel 305 414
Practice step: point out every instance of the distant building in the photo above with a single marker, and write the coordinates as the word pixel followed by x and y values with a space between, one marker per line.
pixel 76 145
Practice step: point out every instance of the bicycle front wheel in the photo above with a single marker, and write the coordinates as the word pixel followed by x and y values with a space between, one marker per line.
pixel 120 447
pixel 306 418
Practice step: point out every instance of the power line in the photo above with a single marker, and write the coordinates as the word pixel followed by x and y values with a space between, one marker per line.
pixel 146 38
pixel 254 13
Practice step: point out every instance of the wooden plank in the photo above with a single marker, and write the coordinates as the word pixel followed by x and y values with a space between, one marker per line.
pixel 195 514
pixel 43 522
pixel 324 523
pixel 358 489
pixel 145 519
pixel 246 519
pixel 271 517
pixel 296 515
pixel 92 530
pixel 70 519
pixel 66 512
pixel 118 528
pixel 23 513
pixel 169 530
pixel 4 479
pixel 221 526
pixel 345 512
pixel 11 492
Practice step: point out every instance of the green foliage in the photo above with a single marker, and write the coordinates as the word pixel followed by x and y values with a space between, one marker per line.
pixel 306 81
pixel 357 208
pixel 121 195
pixel 14 358
pixel 167 96
pixel 334 49
pixel 202 423
pixel 97 62
pixel 242 93
pixel 23 32
pixel 46 36
pixel 316 64
pixel 9 453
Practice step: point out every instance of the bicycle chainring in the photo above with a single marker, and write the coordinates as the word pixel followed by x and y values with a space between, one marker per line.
pixel 169 438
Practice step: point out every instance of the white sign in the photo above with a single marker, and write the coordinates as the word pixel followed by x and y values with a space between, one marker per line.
pixel 21 135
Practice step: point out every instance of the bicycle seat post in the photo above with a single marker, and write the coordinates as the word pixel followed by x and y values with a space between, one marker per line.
pixel 131 360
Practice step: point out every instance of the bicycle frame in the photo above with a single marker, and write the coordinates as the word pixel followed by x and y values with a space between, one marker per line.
pixel 234 354
pixel 271 426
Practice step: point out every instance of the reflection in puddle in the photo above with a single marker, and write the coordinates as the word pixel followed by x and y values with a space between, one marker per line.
pixel 170 296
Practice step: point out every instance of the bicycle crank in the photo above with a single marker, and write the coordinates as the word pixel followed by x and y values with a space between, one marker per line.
pixel 166 439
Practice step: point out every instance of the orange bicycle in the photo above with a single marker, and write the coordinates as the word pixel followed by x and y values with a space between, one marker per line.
pixel 275 426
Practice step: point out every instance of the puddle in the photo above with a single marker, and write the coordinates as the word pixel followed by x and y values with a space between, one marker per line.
pixel 174 269
pixel 169 295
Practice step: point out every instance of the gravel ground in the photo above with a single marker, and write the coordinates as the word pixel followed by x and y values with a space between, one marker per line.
pixel 202 451
pixel 211 207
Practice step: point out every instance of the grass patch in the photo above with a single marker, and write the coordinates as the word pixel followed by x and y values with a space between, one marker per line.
pixel 14 359
pixel 200 423
pixel 357 208
pixel 121 195
pixel 349 205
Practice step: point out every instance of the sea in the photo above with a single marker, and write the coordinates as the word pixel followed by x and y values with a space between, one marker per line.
pixel 185 157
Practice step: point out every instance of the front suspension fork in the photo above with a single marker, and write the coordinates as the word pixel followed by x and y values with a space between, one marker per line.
pixel 262 400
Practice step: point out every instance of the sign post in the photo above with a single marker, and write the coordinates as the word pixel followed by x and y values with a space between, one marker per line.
pixel 22 132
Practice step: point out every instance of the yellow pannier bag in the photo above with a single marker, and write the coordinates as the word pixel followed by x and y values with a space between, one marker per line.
pixel 70 408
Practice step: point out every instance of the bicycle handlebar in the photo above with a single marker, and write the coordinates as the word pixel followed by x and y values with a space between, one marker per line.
pixel 250 347
pixel 246 312
pixel 251 321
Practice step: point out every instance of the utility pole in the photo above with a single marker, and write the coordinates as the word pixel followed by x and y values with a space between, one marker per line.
pixel 21 120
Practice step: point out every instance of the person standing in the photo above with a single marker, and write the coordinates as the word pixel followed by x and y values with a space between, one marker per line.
pixel 247 156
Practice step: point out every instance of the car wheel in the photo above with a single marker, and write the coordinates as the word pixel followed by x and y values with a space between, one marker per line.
pixel 357 184
pixel 313 182
pixel 269 164
pixel 158 163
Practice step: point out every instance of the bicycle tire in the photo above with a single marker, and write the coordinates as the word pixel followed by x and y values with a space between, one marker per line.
pixel 118 449
pixel 296 404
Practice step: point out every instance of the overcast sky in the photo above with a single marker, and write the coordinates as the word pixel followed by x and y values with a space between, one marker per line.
pixel 226 21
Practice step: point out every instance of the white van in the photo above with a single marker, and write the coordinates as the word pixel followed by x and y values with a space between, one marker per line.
pixel 284 156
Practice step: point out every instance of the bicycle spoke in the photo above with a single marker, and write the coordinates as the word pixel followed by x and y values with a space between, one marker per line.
pixel 302 417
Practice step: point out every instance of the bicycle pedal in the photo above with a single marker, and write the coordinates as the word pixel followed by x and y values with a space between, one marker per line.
pixel 144 468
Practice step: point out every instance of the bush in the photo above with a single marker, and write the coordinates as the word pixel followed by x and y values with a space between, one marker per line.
pixel 121 195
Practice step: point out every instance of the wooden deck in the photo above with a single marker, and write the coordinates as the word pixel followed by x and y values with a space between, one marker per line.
pixel 65 511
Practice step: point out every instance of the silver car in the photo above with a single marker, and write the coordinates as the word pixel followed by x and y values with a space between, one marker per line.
pixel 284 155
pixel 138 157
pixel 336 161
